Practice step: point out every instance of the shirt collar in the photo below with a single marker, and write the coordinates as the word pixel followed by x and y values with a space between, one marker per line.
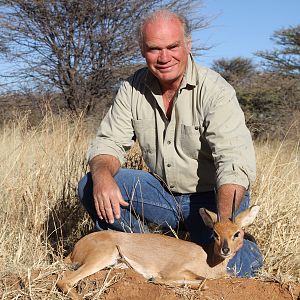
pixel 191 76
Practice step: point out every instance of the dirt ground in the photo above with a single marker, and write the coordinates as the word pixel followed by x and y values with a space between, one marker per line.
pixel 128 285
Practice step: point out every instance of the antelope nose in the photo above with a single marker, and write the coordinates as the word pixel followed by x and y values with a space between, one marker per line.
pixel 225 250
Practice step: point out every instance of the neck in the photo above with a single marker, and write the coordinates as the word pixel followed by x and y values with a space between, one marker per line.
pixel 170 86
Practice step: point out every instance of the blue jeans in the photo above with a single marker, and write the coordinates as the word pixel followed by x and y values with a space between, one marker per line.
pixel 152 203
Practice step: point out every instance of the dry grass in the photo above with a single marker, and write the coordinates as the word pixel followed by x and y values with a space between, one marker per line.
pixel 277 190
pixel 39 171
pixel 41 218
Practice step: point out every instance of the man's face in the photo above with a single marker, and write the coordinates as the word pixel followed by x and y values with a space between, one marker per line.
pixel 166 50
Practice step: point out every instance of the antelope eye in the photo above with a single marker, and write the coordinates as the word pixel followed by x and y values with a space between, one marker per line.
pixel 236 235
pixel 216 236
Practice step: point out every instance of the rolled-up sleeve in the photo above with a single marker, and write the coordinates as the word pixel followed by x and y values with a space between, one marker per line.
pixel 115 133
pixel 229 138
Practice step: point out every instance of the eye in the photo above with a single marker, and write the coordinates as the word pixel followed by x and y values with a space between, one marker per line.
pixel 216 236
pixel 152 49
pixel 173 47
pixel 236 235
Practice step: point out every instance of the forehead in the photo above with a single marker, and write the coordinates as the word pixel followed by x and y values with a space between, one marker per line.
pixel 226 228
pixel 163 31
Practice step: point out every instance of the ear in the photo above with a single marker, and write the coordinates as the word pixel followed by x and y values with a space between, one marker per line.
pixel 208 217
pixel 142 48
pixel 189 46
pixel 247 217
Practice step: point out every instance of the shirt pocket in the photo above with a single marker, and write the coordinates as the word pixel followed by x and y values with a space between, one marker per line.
pixel 145 134
pixel 190 140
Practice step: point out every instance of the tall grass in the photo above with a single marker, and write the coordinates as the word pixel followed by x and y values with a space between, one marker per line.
pixel 277 190
pixel 40 216
pixel 39 171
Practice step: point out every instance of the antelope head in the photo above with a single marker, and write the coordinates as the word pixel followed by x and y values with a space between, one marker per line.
pixel 227 232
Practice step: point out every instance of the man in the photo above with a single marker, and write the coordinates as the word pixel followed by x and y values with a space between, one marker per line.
pixel 193 138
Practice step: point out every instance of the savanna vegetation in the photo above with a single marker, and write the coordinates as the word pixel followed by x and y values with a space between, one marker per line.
pixel 41 218
pixel 46 126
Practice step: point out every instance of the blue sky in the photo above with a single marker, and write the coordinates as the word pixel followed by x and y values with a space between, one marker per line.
pixel 240 28
pixel 244 27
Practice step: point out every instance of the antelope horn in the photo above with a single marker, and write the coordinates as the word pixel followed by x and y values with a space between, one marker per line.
pixel 233 207
pixel 218 209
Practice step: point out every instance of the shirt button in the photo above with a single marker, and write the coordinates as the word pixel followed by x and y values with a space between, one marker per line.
pixel 172 186
pixel 196 127
pixel 168 142
pixel 168 165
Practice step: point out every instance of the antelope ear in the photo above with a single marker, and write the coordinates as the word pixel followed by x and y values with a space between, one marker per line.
pixel 208 217
pixel 247 217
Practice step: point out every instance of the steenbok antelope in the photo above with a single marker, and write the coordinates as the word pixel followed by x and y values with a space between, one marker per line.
pixel 159 258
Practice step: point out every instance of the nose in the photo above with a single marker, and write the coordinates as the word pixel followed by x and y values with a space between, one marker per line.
pixel 164 56
pixel 225 248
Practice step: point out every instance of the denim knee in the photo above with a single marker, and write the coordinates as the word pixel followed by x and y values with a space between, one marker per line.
pixel 246 262
pixel 148 201
pixel 84 185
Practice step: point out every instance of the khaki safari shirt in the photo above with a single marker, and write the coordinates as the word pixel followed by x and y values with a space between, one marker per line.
pixel 204 145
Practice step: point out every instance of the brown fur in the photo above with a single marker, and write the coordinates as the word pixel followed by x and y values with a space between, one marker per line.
pixel 157 257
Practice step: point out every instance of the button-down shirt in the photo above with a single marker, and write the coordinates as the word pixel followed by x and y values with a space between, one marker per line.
pixel 204 145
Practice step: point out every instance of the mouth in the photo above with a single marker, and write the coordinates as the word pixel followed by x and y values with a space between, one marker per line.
pixel 226 255
pixel 165 68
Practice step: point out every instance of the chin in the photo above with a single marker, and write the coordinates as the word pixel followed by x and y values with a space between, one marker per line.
pixel 167 78
pixel 227 256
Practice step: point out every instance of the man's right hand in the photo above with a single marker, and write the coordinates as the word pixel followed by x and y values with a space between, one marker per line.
pixel 107 195
pixel 107 198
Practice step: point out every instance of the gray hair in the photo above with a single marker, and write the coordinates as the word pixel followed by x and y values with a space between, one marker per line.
pixel 166 15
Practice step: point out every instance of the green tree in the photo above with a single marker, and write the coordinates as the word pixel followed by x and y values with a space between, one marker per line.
pixel 235 68
pixel 285 59
pixel 269 99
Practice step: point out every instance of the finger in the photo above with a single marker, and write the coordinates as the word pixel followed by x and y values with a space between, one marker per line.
pixel 109 216
pixel 97 207
pixel 121 200
pixel 102 210
pixel 116 209
pixel 116 205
